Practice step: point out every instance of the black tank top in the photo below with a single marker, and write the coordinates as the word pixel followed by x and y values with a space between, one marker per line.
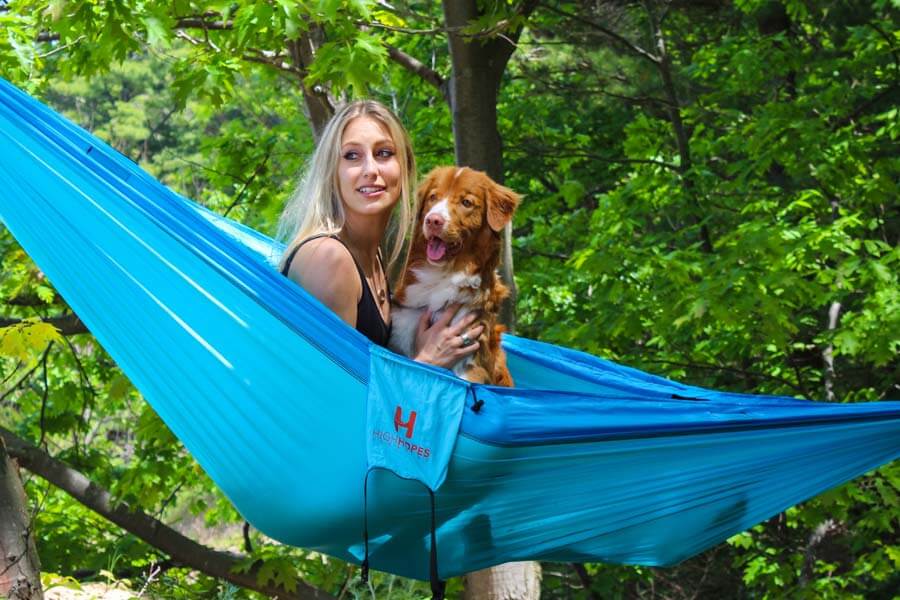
pixel 369 321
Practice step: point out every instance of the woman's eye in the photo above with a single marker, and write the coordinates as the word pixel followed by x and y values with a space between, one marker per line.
pixel 351 155
pixel 467 203
pixel 385 153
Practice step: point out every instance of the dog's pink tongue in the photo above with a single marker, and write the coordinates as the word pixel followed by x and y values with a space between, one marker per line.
pixel 436 249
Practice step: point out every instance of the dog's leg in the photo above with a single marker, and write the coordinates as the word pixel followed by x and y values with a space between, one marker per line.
pixel 476 374
pixel 502 375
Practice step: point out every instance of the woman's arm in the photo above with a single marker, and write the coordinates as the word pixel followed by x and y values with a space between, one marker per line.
pixel 325 269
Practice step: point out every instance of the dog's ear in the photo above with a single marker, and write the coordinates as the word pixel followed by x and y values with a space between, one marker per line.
pixel 502 203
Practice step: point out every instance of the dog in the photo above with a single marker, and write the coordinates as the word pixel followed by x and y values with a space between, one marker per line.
pixel 453 258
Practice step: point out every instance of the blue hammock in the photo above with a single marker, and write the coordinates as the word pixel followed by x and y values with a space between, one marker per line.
pixel 585 460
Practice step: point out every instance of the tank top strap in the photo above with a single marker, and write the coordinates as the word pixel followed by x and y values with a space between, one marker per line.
pixel 287 264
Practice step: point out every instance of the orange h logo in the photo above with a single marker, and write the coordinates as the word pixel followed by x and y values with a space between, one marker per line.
pixel 409 425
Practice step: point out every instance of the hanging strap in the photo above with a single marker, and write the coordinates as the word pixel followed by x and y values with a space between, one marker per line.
pixel 438 586
pixel 364 568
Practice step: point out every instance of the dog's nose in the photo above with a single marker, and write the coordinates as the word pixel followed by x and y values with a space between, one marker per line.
pixel 434 223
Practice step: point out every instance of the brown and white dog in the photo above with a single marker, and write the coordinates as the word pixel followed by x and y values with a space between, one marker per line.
pixel 453 258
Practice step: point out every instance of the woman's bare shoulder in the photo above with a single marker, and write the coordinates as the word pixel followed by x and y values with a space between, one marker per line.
pixel 325 268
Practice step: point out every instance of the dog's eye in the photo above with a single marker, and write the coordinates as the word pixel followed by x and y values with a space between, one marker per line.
pixel 432 197
pixel 467 203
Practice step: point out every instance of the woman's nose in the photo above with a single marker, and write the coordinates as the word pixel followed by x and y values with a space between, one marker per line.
pixel 370 167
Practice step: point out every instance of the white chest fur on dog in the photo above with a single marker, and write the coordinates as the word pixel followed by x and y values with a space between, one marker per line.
pixel 434 289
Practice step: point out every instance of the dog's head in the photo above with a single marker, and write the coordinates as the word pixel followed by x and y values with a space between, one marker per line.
pixel 460 215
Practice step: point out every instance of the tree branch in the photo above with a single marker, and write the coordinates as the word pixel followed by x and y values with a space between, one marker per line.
pixel 187 552
pixel 524 11
pixel 201 23
pixel 834 312
pixel 45 394
pixel 32 300
pixel 273 61
pixel 742 372
pixel 585 580
pixel 265 57
pixel 259 168
pixel 417 67
pixel 607 32
pixel 66 324
pixel 432 31
pixel 574 153
pixel 319 102
pixel 682 139
pixel 22 380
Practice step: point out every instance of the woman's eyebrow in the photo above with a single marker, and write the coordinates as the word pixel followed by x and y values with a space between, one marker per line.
pixel 380 142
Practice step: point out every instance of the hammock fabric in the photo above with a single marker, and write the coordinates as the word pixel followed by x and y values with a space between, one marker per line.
pixel 585 460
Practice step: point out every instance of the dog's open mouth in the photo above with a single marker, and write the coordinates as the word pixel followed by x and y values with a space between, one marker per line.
pixel 437 249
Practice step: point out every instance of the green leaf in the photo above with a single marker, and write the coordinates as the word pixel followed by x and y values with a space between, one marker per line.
pixel 25 340
pixel 158 33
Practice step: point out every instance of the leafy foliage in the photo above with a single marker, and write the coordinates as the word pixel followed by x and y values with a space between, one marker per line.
pixel 726 216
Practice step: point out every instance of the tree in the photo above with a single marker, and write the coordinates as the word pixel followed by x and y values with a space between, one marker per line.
pixel 709 195
pixel 20 570
pixel 323 46
pixel 229 567
pixel 625 269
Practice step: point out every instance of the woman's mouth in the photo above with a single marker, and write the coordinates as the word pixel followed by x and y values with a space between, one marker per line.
pixel 371 191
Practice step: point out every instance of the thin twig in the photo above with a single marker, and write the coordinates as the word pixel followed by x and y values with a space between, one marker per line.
pixel 155 570
pixel 20 382
pixel 607 32
pixel 167 501
pixel 743 372
pixel 61 48
pixel 44 396
pixel 194 41
pixel 201 23
pixel 248 545
pixel 410 30
pixel 12 372
pixel 585 580
pixel 834 312
pixel 567 153
pixel 417 67
pixel 247 183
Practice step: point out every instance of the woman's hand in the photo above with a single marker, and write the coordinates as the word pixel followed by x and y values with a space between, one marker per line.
pixel 443 344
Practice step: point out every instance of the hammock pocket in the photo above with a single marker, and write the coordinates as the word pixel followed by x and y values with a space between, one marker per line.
pixel 287 409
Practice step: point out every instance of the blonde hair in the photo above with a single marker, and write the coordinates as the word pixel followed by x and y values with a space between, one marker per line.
pixel 315 206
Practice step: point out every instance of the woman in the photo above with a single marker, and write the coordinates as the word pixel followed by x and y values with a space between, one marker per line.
pixel 338 218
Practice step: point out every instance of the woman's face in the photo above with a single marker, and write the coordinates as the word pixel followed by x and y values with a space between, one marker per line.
pixel 369 172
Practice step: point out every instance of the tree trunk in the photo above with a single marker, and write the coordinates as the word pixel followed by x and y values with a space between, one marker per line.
pixel 20 570
pixel 319 103
pixel 478 64
pixel 682 137
pixel 477 69
pixel 511 581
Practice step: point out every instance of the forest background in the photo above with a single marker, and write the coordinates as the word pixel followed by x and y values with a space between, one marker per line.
pixel 710 195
